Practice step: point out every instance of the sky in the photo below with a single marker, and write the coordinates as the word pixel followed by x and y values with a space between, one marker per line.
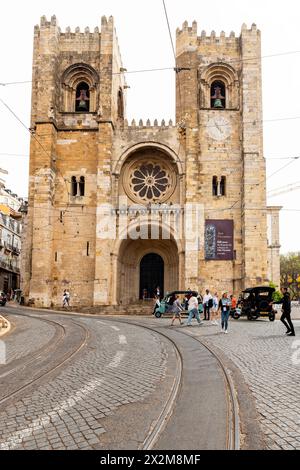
pixel 145 43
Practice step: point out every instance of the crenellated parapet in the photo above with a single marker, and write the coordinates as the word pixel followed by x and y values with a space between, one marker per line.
pixel 187 37
pixel 140 124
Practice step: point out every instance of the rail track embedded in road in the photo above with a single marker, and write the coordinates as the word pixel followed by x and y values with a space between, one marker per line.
pixel 67 357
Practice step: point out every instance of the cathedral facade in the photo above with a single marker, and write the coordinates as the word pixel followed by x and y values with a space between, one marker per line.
pixel 118 209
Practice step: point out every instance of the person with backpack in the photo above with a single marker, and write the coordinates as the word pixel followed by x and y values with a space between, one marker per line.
pixel 207 304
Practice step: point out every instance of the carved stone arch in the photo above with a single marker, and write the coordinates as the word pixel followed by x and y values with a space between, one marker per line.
pixel 72 76
pixel 142 145
pixel 219 72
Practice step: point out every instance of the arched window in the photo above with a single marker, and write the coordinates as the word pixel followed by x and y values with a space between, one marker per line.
pixel 120 104
pixel 77 186
pixel 223 186
pixel 215 186
pixel 81 186
pixel 82 102
pixel 73 186
pixel 217 95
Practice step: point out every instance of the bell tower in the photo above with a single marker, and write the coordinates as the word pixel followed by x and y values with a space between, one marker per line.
pixel 218 98
pixel 77 100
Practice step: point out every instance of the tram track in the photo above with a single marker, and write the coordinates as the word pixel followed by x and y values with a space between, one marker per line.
pixel 233 435
pixel 165 416
pixel 43 353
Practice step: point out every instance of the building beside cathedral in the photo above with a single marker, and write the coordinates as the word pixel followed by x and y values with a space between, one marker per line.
pixel 117 209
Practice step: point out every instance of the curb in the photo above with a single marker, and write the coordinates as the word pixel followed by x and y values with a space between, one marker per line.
pixel 3 331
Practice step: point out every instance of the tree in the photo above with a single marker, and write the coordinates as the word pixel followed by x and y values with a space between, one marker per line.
pixel 277 295
pixel 290 273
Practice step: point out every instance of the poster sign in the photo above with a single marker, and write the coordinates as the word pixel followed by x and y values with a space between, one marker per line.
pixel 219 239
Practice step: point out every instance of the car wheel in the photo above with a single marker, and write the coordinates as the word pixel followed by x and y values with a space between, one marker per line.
pixel 157 314
pixel 236 316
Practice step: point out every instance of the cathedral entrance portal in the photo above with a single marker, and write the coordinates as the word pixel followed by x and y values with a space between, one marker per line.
pixel 146 264
pixel 151 275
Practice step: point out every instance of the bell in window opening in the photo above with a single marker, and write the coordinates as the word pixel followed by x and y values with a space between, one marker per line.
pixel 82 98
pixel 218 95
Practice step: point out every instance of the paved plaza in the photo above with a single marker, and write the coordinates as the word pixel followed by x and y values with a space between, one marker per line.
pixel 112 391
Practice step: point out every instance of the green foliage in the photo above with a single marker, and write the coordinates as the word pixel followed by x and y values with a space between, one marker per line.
pixel 277 295
pixel 290 273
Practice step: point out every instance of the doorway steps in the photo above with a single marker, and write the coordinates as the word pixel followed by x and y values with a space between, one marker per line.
pixel 139 308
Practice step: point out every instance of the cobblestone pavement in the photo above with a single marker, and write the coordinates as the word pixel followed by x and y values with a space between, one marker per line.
pixel 270 364
pixel 121 364
pixel 20 344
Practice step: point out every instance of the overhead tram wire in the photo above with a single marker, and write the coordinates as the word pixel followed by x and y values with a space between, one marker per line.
pixel 283 167
pixel 39 143
pixel 279 54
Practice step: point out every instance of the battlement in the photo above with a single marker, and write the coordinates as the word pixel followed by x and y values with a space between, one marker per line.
pixel 148 125
pixel 106 24
pixel 190 30
pixel 189 34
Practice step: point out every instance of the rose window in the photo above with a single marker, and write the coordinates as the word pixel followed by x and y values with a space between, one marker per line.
pixel 149 181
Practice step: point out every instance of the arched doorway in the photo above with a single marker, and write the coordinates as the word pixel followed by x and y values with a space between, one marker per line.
pixel 151 275
pixel 132 254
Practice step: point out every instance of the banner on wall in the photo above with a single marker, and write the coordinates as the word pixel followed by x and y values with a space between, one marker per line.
pixel 219 240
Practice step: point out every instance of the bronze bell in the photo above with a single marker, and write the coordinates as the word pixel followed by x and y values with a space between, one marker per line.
pixel 218 97
pixel 83 99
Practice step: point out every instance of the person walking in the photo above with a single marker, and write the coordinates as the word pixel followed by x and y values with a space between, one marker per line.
pixel 156 305
pixel 207 304
pixel 176 309
pixel 224 306
pixel 193 310
pixel 286 312
pixel 157 292
pixel 214 312
pixel 66 298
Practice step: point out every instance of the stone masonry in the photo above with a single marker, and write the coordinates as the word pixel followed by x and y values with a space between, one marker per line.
pixel 64 245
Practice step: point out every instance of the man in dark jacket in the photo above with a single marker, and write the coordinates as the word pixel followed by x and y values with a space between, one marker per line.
pixel 286 312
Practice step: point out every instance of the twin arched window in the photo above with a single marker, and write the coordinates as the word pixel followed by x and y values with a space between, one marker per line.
pixel 218 87
pixel 219 186
pixel 77 186
pixel 80 89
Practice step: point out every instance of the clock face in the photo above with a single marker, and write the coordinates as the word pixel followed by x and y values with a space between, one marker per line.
pixel 218 128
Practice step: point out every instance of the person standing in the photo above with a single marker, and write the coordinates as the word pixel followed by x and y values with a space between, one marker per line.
pixel 176 309
pixel 286 312
pixel 224 306
pixel 157 292
pixel 66 298
pixel 214 312
pixel 156 305
pixel 193 310
pixel 207 304
pixel 233 302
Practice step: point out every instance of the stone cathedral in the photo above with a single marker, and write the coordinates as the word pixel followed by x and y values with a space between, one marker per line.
pixel 112 204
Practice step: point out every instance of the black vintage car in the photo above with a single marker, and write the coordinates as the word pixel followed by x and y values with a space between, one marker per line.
pixel 255 302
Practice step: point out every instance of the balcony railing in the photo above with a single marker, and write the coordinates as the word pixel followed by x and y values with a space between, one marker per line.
pixel 9 266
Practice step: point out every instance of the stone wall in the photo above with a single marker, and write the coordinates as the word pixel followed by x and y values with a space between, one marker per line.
pixel 64 245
